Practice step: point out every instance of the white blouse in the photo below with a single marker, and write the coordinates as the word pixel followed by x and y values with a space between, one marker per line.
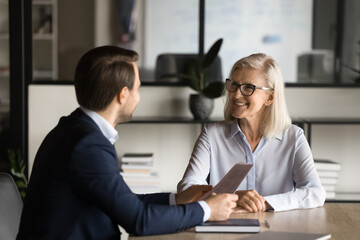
pixel 283 169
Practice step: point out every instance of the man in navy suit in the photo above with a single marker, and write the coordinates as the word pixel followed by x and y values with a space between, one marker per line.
pixel 76 191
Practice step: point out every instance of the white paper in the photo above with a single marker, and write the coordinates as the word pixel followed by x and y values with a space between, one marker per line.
pixel 231 180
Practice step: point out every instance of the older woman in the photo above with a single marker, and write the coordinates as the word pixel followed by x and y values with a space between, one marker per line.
pixel 258 130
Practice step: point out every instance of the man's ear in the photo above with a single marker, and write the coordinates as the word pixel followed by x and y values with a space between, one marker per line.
pixel 123 95
pixel 270 99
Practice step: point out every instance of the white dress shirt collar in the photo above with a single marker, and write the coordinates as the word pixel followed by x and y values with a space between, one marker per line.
pixel 105 127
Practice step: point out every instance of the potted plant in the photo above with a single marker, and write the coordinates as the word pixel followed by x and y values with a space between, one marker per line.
pixel 199 75
pixel 17 169
pixel 357 80
pixel 202 73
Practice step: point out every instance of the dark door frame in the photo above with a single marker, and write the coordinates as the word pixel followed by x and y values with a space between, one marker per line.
pixel 20 42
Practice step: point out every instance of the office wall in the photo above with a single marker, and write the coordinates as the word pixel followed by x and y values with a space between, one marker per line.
pixel 172 143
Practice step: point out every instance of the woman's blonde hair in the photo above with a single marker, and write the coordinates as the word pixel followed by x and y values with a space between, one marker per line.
pixel 275 118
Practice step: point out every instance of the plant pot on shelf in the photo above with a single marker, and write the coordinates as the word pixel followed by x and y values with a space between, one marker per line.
pixel 201 107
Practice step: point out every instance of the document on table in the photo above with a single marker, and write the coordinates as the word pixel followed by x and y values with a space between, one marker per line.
pixel 231 180
pixel 270 235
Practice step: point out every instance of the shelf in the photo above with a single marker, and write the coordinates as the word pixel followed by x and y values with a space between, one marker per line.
pixel 180 84
pixel 4 36
pixel 51 82
pixel 4 73
pixel 4 108
pixel 288 85
pixel 322 85
pixel 190 120
pixel 345 197
pixel 42 2
pixel 36 36
pixel 43 36
pixel 331 120
pixel 308 122
pixel 171 120
pixel 42 74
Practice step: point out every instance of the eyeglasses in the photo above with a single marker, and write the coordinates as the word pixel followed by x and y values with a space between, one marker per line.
pixel 245 89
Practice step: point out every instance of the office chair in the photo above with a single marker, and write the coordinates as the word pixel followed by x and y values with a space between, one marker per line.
pixel 10 207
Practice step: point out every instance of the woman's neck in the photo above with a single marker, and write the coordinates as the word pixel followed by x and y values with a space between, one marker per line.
pixel 252 131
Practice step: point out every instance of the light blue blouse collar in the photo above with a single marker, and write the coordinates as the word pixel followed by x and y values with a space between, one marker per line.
pixel 235 128
pixel 105 127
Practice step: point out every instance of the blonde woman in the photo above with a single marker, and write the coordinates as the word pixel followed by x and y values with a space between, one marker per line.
pixel 258 130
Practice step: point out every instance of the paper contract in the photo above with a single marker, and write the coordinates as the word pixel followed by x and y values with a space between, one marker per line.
pixel 231 180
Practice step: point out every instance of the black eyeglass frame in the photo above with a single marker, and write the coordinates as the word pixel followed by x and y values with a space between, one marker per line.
pixel 238 86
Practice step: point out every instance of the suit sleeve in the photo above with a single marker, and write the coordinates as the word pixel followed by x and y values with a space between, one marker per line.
pixel 95 175
pixel 156 198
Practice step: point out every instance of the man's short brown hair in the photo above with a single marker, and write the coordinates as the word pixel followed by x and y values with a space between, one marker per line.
pixel 101 74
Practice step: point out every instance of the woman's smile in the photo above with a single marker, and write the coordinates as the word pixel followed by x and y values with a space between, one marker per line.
pixel 240 104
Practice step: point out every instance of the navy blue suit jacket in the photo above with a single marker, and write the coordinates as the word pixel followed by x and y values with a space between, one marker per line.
pixel 76 191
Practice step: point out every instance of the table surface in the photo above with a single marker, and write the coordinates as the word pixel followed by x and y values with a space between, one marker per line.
pixel 341 220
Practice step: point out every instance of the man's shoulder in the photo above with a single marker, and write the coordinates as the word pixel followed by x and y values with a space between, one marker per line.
pixel 75 126
pixel 78 121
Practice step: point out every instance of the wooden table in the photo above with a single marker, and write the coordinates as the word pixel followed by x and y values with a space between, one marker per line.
pixel 342 220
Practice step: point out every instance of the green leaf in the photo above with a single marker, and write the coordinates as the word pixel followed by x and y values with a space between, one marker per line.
pixel 17 169
pixel 20 184
pixel 351 68
pixel 192 70
pixel 214 90
pixel 22 194
pixel 15 173
pixel 211 54
pixel 23 167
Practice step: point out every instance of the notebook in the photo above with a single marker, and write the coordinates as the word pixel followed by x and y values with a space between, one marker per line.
pixel 231 225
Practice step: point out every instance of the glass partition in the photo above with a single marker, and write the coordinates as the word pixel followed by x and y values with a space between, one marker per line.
pixel 350 44
pixel 279 28
pixel 308 38
pixel 45 49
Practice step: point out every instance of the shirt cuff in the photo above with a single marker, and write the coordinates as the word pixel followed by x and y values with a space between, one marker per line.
pixel 207 210
pixel 273 203
pixel 203 204
pixel 172 200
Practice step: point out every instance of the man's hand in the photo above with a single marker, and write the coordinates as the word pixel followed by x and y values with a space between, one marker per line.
pixel 192 194
pixel 251 201
pixel 222 205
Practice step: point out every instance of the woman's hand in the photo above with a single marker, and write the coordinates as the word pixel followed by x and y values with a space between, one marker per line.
pixel 239 210
pixel 251 201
